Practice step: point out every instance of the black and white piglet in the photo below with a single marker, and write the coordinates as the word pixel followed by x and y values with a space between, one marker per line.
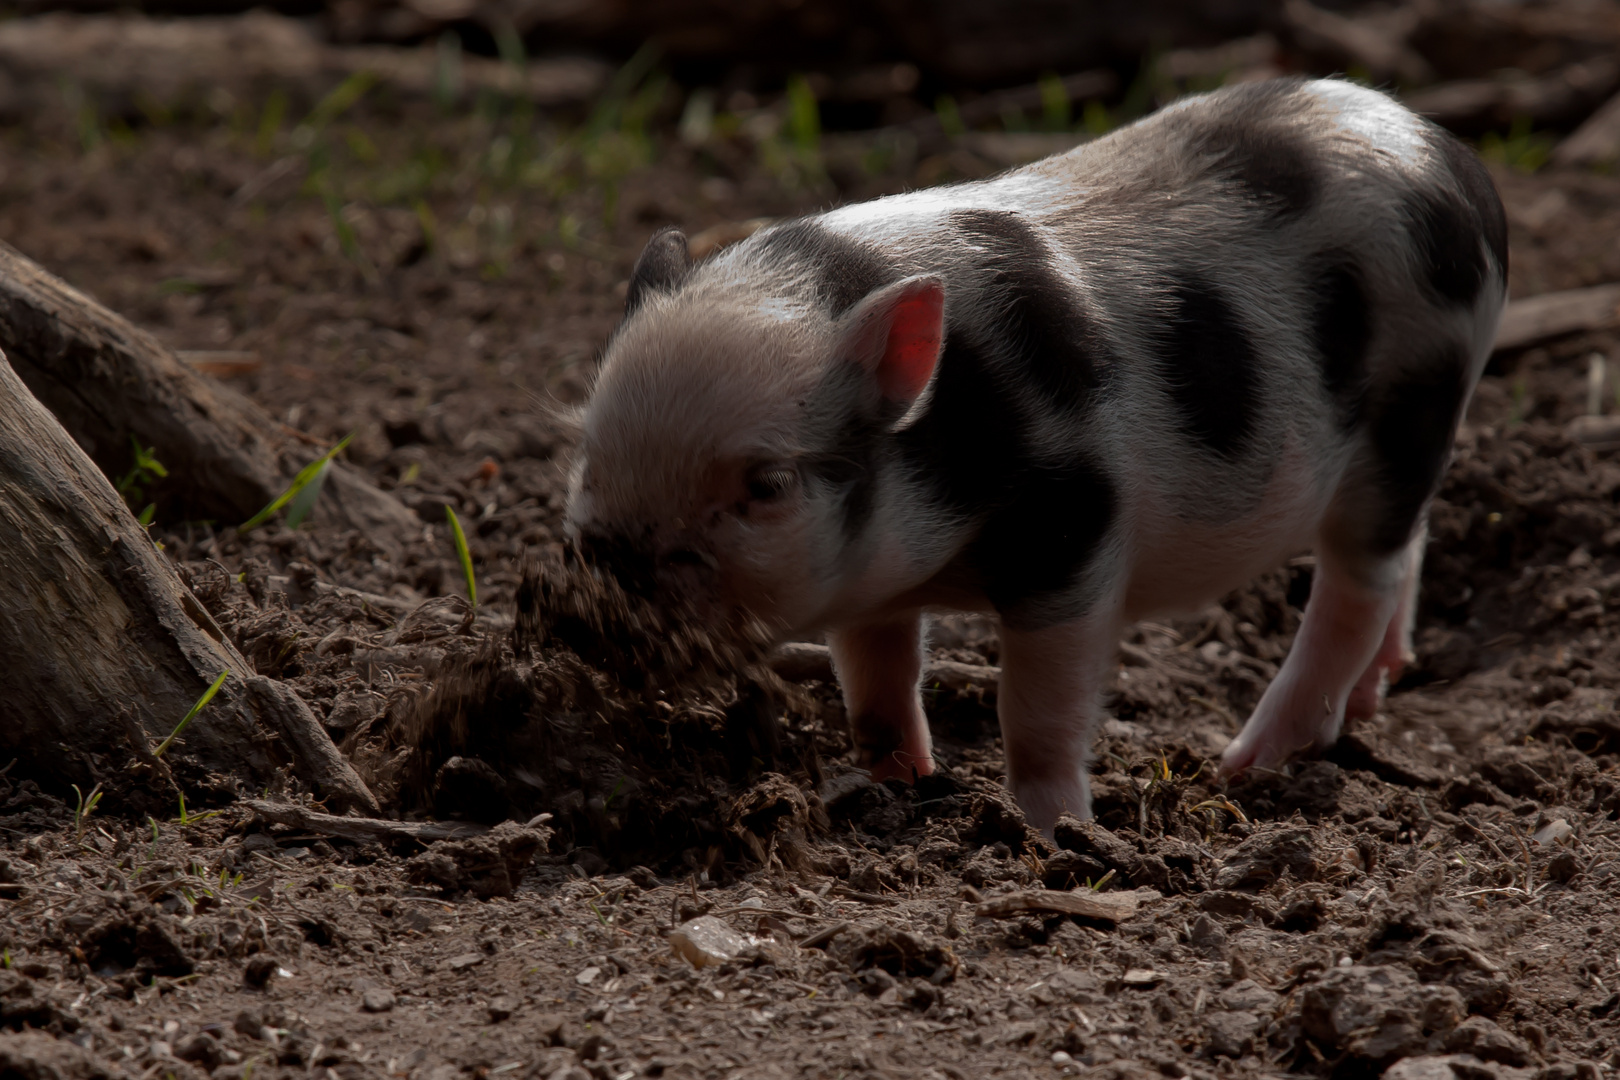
pixel 1117 382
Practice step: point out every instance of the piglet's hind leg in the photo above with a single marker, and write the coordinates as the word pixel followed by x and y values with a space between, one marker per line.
pixel 1346 622
pixel 1396 651
pixel 1047 698
pixel 879 665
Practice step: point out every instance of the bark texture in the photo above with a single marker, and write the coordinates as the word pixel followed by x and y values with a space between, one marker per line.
pixel 109 382
pixel 106 649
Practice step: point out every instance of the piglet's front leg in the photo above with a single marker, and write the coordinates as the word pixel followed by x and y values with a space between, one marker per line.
pixel 1051 680
pixel 879 665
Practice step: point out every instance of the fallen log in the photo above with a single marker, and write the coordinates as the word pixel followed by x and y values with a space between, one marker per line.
pixel 361 830
pixel 1377 42
pixel 129 63
pixel 1560 99
pixel 112 384
pixel 106 650
pixel 1540 318
pixel 1600 433
pixel 1595 142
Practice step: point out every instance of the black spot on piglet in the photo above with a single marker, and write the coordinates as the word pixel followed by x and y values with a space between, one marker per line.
pixel 1210 367
pixel 1255 146
pixel 1413 419
pixel 1341 329
pixel 1447 234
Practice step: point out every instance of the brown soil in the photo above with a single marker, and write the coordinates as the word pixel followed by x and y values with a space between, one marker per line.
pixel 1445 882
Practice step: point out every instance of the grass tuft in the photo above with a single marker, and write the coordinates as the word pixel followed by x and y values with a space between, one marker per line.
pixel 311 475
pixel 86 806
pixel 463 554
pixel 208 695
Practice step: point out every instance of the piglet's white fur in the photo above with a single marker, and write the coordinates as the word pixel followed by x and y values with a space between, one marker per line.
pixel 1115 383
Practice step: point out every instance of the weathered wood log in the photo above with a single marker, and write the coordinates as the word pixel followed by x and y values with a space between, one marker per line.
pixel 127 62
pixel 1573 311
pixel 105 650
pixel 110 382
pixel 1378 42
pixel 967 42
pixel 364 829
pixel 1560 99
pixel 1595 142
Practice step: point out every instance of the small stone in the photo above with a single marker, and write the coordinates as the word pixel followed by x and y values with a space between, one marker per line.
pixel 248 1023
pixel 588 976
pixel 1061 1058
pixel 377 999
pixel 706 940
pixel 500 1008
pixel 1142 978
pixel 465 961
pixel 1554 832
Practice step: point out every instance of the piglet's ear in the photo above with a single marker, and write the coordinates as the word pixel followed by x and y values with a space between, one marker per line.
pixel 660 267
pixel 897 333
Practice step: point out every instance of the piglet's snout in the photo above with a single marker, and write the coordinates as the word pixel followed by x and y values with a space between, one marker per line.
pixel 651 568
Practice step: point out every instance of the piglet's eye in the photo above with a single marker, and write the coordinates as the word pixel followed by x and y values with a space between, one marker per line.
pixel 768 482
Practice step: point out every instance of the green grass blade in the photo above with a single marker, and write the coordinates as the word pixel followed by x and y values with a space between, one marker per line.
pixel 340 100
pixel 305 476
pixel 208 695
pixel 299 506
pixel 463 554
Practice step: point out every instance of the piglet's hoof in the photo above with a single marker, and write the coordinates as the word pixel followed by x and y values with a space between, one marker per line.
pixel 897 765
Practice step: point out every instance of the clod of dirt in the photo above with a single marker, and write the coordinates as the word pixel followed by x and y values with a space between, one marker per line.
pixel 34 1055
pixel 998 819
pixel 706 940
pixel 259 969
pixel 470 788
pixel 898 952
pixel 1446 954
pixel 24 1004
pixel 1452 1067
pixel 200 1049
pixel 1070 869
pixel 1231 1033
pixel 1378 1013
pixel 771 819
pixel 145 941
pixel 1485 1040
pixel 486 866
pixel 1262 858
pixel 1091 840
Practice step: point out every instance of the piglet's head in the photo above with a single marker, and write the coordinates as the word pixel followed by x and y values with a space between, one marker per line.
pixel 733 447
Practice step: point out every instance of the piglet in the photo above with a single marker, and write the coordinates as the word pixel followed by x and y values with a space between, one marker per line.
pixel 1115 383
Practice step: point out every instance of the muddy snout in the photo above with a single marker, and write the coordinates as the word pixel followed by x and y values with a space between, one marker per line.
pixel 673 572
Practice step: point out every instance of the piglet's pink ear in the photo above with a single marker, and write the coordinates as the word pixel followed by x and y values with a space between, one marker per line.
pixel 897 333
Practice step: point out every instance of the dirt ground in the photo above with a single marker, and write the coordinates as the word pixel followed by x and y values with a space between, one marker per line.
pixel 1446 882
